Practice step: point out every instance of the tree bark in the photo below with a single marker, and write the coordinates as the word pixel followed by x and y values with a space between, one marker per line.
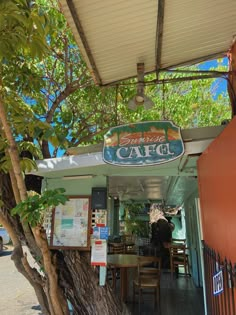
pixel 231 86
pixel 16 234
pixel 16 175
pixel 53 299
pixel 21 262
pixel 13 152
pixel 59 304
pixel 82 289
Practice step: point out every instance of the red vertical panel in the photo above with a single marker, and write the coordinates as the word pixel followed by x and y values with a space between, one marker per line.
pixel 217 190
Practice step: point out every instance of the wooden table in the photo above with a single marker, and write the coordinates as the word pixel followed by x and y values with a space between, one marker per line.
pixel 123 261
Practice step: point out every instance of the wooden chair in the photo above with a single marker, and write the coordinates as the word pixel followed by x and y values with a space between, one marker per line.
pixel 179 241
pixel 128 238
pixel 183 241
pixel 129 241
pixel 148 277
pixel 115 248
pixel 178 257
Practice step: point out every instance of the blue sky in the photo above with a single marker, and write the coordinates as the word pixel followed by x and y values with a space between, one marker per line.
pixel 220 85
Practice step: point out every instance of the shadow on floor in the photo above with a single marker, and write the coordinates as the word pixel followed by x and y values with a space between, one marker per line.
pixel 178 297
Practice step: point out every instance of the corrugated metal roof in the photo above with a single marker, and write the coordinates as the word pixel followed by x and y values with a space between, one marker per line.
pixel 113 36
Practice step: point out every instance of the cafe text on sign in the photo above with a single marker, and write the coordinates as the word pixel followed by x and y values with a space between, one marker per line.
pixel 145 143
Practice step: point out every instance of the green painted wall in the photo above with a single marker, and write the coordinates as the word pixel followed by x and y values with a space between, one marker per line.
pixel 192 237
pixel 76 187
pixel 179 222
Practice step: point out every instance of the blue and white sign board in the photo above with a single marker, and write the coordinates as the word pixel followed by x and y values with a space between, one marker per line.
pixel 143 143
pixel 104 232
pixel 218 284
pixel 101 232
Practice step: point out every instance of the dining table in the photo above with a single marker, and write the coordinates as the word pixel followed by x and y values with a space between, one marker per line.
pixel 123 261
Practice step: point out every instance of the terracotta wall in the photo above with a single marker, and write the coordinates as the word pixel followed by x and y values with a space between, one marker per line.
pixel 217 191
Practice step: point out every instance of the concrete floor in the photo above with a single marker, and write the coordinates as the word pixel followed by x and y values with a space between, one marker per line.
pixel 17 297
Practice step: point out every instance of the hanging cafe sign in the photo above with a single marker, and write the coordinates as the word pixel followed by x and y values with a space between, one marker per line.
pixel 144 143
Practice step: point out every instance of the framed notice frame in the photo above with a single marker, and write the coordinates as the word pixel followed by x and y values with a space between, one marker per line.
pixel 71 224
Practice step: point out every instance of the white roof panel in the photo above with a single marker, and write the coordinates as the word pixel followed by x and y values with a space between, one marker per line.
pixel 113 36
pixel 195 30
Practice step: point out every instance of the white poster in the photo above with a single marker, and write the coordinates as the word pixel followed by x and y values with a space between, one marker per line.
pixel 99 253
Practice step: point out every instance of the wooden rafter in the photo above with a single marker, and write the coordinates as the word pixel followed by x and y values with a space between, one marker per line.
pixel 198 75
pixel 83 38
pixel 159 39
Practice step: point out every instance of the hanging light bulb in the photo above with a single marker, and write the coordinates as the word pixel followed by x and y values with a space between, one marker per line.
pixel 138 100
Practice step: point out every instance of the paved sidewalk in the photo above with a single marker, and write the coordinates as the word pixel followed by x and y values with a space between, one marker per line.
pixel 17 297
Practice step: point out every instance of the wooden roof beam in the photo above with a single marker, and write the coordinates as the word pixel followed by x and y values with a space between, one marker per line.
pixel 159 34
pixel 83 38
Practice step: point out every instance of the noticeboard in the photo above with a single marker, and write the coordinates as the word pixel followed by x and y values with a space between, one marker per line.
pixel 71 224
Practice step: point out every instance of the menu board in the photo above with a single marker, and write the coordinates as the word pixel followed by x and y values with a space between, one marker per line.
pixel 71 224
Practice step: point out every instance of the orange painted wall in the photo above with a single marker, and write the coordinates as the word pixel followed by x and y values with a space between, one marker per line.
pixel 217 191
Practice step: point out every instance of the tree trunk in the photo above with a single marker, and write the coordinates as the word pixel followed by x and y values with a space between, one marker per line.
pixel 232 76
pixel 15 230
pixel 49 290
pixel 81 283
pixel 57 299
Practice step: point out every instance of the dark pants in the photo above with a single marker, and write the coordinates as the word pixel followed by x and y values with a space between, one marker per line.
pixel 161 233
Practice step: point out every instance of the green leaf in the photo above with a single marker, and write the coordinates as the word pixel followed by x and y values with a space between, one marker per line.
pixel 32 209
pixel 27 165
